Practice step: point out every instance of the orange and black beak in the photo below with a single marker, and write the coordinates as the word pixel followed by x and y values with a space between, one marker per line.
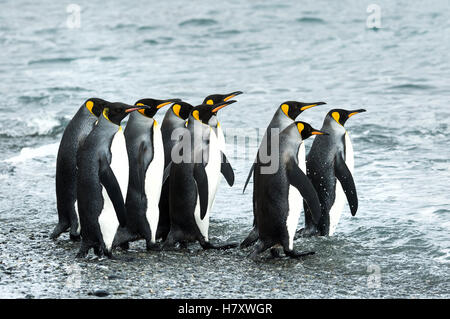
pixel 351 113
pixel 305 106
pixel 221 105
pixel 317 132
pixel 231 95
pixel 134 108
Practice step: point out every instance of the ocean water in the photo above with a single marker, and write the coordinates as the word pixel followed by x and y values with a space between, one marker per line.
pixel 398 244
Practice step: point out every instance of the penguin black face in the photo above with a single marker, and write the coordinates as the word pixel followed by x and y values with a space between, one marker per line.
pixel 182 109
pixel 153 105
pixel 204 112
pixel 306 130
pixel 217 98
pixel 341 116
pixel 96 105
pixel 116 112
pixel 292 109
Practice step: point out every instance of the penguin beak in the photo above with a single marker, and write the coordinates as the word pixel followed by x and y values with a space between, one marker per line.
pixel 317 132
pixel 356 112
pixel 222 105
pixel 310 105
pixel 232 95
pixel 166 102
pixel 129 110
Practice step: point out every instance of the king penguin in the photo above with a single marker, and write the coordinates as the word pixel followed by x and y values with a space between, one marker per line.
pixel 283 117
pixel 173 124
pixel 103 180
pixel 329 167
pixel 279 196
pixel 66 166
pixel 197 166
pixel 146 168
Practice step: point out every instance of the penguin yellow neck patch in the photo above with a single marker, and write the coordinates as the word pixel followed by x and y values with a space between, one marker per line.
pixel 285 109
pixel 176 109
pixel 336 116
pixel 300 127
pixel 89 106
pixel 196 115
pixel 142 111
pixel 105 113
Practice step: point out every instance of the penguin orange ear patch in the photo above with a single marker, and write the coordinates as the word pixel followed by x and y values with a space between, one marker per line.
pixel 336 116
pixel 196 115
pixel 139 104
pixel 210 102
pixel 300 127
pixel 89 106
pixel 285 109
pixel 176 109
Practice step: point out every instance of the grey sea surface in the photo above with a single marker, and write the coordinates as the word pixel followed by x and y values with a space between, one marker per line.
pixel 398 244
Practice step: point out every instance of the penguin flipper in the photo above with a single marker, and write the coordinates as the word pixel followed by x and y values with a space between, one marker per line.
pixel 109 181
pixel 227 170
pixel 345 177
pixel 202 186
pixel 248 177
pixel 141 170
pixel 299 180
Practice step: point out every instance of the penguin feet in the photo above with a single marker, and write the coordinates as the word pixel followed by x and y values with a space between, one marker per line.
pixel 251 239
pixel 82 253
pixel 306 232
pixel 125 246
pixel 60 228
pixel 275 253
pixel 74 237
pixel 207 245
pixel 153 246
pixel 259 248
pixel 296 254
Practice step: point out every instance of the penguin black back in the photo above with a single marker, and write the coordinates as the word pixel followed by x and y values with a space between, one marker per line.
pixel 102 182
pixel 66 171
pixel 279 194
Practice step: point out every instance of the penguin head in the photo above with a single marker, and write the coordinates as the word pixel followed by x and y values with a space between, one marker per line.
pixel 96 105
pixel 213 99
pixel 153 105
pixel 306 130
pixel 204 112
pixel 116 112
pixel 341 116
pixel 292 109
pixel 182 109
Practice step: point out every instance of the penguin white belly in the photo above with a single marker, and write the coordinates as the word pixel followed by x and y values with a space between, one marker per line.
pixel 213 173
pixel 301 157
pixel 220 138
pixel 340 198
pixel 119 165
pixel 295 205
pixel 295 200
pixel 153 181
pixel 222 146
pixel 213 168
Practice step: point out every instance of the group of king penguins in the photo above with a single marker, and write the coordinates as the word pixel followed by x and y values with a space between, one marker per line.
pixel 158 182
